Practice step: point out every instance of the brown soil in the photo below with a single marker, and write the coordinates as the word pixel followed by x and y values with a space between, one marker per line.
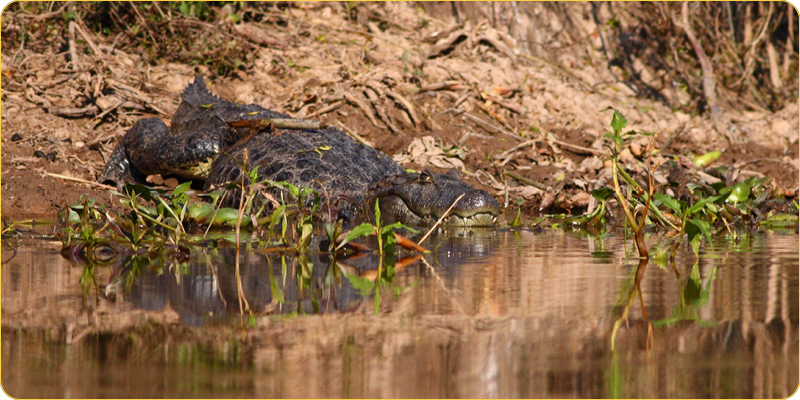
pixel 314 54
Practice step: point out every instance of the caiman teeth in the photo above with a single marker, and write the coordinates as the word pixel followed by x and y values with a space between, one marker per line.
pixel 458 220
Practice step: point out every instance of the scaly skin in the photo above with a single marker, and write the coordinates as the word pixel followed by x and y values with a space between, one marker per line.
pixel 201 145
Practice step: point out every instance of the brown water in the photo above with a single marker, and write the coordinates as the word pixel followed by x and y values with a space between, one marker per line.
pixel 492 314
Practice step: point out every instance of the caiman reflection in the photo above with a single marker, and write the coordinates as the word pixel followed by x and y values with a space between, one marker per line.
pixel 205 288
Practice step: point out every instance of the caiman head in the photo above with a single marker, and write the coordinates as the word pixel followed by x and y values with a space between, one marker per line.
pixel 420 199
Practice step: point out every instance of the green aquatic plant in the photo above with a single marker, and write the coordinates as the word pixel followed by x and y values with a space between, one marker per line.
pixel 617 141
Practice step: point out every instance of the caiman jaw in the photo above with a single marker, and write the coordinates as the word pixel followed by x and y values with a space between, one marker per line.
pixel 479 219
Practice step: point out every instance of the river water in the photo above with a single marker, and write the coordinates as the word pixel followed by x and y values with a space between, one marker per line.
pixel 488 314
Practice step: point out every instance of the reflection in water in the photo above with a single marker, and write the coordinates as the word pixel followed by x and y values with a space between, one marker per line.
pixel 492 314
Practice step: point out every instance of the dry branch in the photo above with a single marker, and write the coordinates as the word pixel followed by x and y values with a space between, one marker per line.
pixel 406 104
pixel 352 99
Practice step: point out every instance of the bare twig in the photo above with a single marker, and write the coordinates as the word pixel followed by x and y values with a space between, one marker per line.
pixel 750 62
pixel 324 110
pixel 444 44
pixel 352 99
pixel 69 178
pixel 511 106
pixel 506 156
pixel 88 40
pixel 708 70
pixel 75 112
pixel 406 104
pixel 526 181
pixel 500 46
pixel 73 51
pixel 446 213
pixel 577 149
pixel 47 15
pixel 278 123
pixel 446 85
pixel 490 127
pixel 373 97
pixel 354 135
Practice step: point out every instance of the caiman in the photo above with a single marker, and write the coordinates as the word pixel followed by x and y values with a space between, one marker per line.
pixel 209 137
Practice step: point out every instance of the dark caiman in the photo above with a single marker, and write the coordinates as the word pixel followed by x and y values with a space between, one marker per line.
pixel 209 136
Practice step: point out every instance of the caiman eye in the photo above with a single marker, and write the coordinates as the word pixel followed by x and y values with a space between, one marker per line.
pixel 425 177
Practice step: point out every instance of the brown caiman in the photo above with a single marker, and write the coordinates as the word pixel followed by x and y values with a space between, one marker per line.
pixel 209 136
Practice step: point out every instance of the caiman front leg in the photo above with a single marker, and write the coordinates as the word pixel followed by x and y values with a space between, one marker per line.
pixel 148 149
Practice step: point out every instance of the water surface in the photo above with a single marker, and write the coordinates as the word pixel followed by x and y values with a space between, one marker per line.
pixel 488 314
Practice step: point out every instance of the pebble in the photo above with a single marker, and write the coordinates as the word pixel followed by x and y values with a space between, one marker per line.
pixel 16 137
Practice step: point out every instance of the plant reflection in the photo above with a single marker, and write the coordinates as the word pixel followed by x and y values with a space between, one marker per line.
pixel 210 285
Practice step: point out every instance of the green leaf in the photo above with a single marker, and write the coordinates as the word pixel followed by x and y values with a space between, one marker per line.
pixel 668 201
pixel 253 174
pixel 361 230
pixel 517 222
pixel 739 193
pixel 397 225
pixel 700 203
pixel 661 259
pixel 377 212
pixel 305 234
pixel 363 285
pixel 707 159
pixel 276 216
pixel 182 188
pixel 200 212
pixel 616 138
pixel 703 226
pixel 145 192
pixel 603 194
pixel 618 122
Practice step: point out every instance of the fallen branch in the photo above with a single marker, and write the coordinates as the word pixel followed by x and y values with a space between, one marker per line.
pixel 373 97
pixel 75 112
pixel 500 46
pixel 446 85
pixel 488 109
pixel 526 180
pixel 69 178
pixel 445 44
pixel 360 104
pixel 88 40
pixel 577 149
pixel 324 110
pixel 406 104
pixel 505 104
pixel 491 127
pixel 506 155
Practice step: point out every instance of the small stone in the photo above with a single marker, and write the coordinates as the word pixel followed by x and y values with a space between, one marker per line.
pixel 16 137
pixel 39 154
pixel 636 149
pixel 79 144
pixel 626 156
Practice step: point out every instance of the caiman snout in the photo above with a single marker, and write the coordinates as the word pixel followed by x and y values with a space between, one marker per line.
pixel 424 197
pixel 476 202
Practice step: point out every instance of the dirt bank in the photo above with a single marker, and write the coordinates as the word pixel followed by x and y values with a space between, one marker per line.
pixel 483 100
